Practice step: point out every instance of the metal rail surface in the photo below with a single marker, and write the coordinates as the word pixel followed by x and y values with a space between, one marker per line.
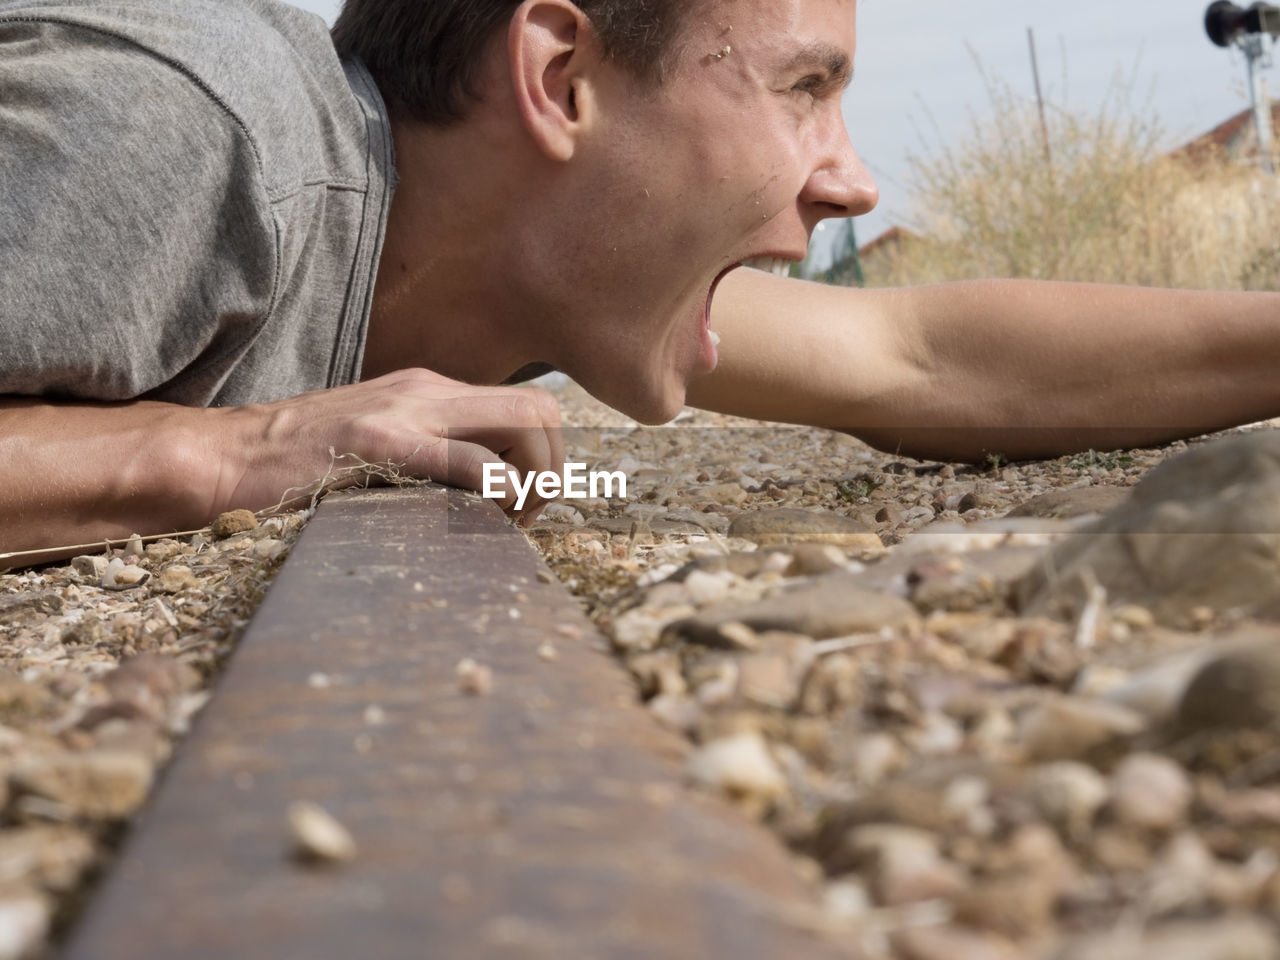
pixel 545 818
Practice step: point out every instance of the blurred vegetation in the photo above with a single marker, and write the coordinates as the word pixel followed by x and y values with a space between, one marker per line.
pixel 1111 207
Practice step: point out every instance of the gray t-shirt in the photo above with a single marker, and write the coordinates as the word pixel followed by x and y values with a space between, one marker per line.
pixel 193 195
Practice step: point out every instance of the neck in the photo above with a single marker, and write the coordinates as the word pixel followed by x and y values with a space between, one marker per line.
pixel 444 299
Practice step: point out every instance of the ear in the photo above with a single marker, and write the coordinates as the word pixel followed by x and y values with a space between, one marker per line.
pixel 549 45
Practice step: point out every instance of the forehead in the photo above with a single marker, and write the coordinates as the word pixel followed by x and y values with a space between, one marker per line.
pixel 784 16
pixel 777 28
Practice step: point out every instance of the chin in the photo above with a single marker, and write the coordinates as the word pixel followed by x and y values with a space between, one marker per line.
pixel 652 411
pixel 649 405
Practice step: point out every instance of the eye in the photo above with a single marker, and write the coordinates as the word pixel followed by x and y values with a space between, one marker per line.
pixel 813 85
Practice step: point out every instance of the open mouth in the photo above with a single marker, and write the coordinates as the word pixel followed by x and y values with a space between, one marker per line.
pixel 777 266
pixel 706 319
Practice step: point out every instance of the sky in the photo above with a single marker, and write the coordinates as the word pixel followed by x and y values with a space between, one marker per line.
pixel 915 72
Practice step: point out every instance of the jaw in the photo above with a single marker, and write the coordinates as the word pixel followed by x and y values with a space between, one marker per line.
pixel 660 386
pixel 650 404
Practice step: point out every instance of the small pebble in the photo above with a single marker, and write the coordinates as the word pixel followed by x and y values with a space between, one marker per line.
pixel 1069 728
pixel 706 588
pixel 1221 938
pixel 1068 795
pixel 676 711
pixel 789 525
pixel 121 576
pixel 474 678
pixel 815 559
pixel 102 784
pixel 316 836
pixel 741 767
pixel 1134 616
pixel 1150 792
pixel 25 920
pixel 233 522
pixel 847 900
pixel 966 803
pixel 725 493
pixel 176 578
pixel 905 865
pixel 91 567
pixel 269 549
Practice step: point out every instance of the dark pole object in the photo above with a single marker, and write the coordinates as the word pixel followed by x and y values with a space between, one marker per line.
pixel 859 277
pixel 1035 73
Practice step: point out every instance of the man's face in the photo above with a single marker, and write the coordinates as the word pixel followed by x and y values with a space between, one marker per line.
pixel 737 155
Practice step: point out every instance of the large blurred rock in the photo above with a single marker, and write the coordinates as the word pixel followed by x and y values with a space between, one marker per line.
pixel 788 525
pixel 1071 503
pixel 1236 689
pixel 1201 530
pixel 830 606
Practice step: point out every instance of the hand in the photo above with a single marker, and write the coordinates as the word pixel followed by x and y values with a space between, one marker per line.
pixel 411 423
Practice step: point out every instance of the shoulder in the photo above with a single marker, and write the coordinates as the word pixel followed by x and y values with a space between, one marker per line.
pixel 267 68
pixel 131 207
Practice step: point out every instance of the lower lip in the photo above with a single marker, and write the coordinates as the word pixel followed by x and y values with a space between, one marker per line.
pixel 710 355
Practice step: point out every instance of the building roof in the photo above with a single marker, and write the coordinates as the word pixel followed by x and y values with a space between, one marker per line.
pixel 1235 137
pixel 892 237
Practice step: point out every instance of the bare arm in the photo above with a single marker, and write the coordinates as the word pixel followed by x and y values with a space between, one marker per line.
pixel 1022 368
pixel 79 473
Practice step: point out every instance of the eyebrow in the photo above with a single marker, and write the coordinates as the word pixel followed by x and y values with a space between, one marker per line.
pixel 832 59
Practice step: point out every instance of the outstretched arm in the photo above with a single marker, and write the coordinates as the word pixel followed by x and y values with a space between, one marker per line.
pixel 80 473
pixel 1021 368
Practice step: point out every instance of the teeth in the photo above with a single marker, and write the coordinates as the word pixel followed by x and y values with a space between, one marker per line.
pixel 775 265
pixel 715 337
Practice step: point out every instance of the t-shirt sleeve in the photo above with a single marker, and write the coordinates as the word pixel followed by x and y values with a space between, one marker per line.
pixel 137 243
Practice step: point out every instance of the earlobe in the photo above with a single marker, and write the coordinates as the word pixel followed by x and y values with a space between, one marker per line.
pixel 547 44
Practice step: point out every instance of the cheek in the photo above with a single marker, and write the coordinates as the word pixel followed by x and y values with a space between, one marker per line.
pixel 774 181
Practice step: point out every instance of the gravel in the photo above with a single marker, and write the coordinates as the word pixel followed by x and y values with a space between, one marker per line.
pixel 871 655
pixel 991 735
pixel 104 660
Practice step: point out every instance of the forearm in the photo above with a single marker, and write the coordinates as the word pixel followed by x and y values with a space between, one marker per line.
pixel 81 473
pixel 1021 368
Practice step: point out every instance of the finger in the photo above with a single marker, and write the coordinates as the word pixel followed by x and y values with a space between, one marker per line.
pixel 549 408
pixel 457 463
pixel 515 426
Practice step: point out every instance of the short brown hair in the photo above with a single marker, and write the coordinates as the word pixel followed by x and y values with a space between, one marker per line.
pixel 426 55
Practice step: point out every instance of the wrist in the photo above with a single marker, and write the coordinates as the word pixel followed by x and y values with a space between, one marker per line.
pixel 178 475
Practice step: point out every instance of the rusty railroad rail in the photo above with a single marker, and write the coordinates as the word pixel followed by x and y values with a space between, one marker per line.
pixel 544 819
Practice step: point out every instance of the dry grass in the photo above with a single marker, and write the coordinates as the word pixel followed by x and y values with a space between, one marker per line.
pixel 1112 207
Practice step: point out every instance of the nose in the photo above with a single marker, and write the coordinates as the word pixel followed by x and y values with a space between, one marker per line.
pixel 839 185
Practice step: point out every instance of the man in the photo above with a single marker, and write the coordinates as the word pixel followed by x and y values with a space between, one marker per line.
pixel 203 194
